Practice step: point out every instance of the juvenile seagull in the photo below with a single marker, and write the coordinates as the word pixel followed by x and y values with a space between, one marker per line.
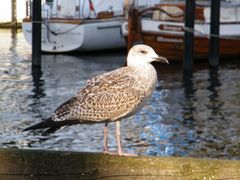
pixel 109 97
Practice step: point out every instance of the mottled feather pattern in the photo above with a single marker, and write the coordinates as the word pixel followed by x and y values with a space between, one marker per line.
pixel 64 110
pixel 109 96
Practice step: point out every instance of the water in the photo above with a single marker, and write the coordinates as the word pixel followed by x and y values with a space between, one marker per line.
pixel 195 116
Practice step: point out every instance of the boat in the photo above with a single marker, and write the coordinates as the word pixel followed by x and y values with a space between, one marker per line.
pixel 74 25
pixel 80 25
pixel 162 27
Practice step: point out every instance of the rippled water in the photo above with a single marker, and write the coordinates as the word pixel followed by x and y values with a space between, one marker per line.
pixel 195 116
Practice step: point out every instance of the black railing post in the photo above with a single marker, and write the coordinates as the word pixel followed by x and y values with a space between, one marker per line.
pixel 189 35
pixel 214 33
pixel 36 33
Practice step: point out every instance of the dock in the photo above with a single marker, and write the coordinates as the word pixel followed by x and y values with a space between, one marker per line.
pixel 45 164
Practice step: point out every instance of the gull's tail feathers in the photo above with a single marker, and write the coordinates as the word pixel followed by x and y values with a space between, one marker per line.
pixel 51 125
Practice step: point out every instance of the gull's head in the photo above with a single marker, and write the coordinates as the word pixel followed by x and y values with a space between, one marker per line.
pixel 143 54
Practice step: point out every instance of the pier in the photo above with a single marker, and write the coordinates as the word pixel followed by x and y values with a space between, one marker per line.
pixel 11 15
pixel 38 164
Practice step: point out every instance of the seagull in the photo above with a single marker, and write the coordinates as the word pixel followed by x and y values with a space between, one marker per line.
pixel 109 97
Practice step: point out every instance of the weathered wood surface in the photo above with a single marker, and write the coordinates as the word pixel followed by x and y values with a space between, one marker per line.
pixel 39 164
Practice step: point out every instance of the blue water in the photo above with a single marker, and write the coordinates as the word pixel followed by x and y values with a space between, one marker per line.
pixel 195 116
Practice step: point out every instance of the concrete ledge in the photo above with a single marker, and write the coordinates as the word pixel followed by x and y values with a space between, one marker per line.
pixel 41 164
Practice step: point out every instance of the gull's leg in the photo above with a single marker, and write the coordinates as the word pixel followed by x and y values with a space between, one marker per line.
pixel 118 135
pixel 105 137
pixel 119 144
pixel 105 143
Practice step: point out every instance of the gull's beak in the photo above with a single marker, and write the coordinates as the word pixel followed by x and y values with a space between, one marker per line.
pixel 161 59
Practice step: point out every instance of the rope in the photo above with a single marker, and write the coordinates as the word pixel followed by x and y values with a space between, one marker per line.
pixel 59 33
pixel 52 31
pixel 162 10
pixel 192 30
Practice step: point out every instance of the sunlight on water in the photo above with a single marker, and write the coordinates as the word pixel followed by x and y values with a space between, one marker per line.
pixel 194 116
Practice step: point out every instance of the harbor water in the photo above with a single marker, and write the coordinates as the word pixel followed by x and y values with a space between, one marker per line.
pixel 194 115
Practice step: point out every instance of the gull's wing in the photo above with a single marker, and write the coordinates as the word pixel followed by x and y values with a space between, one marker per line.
pixel 109 96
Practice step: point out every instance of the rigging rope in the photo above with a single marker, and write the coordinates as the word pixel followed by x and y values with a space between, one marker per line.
pixel 230 37
pixel 60 33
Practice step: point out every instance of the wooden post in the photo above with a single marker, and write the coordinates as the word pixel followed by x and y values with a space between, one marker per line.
pixel 134 27
pixel 214 32
pixel 14 14
pixel 36 32
pixel 14 19
pixel 189 35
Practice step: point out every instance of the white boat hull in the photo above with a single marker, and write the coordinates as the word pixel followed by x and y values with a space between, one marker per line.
pixel 88 36
pixel 177 28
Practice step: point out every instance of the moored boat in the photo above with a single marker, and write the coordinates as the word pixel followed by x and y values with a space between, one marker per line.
pixel 78 25
pixel 162 27
pixel 81 25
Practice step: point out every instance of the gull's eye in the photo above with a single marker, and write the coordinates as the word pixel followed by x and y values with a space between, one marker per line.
pixel 143 52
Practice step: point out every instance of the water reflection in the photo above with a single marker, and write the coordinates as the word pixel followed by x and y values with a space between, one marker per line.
pixel 38 83
pixel 38 92
pixel 190 99
pixel 214 101
pixel 13 40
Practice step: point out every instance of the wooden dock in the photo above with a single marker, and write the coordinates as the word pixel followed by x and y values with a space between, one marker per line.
pixel 42 164
pixel 10 25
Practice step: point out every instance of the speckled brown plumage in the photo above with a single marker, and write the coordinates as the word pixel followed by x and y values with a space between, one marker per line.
pixel 109 96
